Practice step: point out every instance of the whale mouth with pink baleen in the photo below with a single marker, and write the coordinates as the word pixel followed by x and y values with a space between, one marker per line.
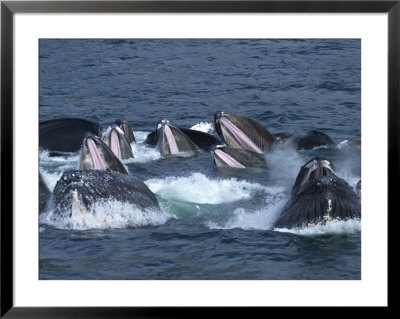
pixel 239 131
pixel 226 156
pixel 116 140
pixel 96 155
pixel 171 141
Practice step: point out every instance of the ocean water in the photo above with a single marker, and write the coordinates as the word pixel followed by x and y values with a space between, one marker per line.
pixel 213 223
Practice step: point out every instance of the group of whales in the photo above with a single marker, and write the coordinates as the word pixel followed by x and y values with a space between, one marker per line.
pixel 318 194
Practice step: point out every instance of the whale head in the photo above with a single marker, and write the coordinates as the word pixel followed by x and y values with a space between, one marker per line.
pixel 95 154
pixel 314 169
pixel 170 140
pixel 116 140
pixel 239 131
pixel 126 128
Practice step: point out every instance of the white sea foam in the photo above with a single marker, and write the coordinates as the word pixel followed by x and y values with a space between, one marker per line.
pixel 261 219
pixel 284 165
pixel 205 127
pixel 70 159
pixel 50 179
pixel 52 167
pixel 333 227
pixel 345 171
pixel 198 188
pixel 104 215
pixel 140 136
pixel 143 154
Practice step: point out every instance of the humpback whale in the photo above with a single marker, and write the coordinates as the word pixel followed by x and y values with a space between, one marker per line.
pixel 239 131
pixel 243 132
pixel 170 140
pixel 126 128
pixel 44 194
pixel 358 189
pixel 66 134
pixel 95 154
pixel 83 188
pixel 116 140
pixel 226 156
pixel 313 139
pixel 318 196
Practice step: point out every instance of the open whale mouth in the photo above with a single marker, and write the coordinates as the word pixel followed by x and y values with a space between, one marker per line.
pixel 226 159
pixel 318 168
pixel 126 129
pixel 168 135
pixel 172 145
pixel 113 140
pixel 94 153
pixel 225 126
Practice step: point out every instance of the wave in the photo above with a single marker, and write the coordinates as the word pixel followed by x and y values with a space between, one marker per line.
pixel 140 136
pixel 68 159
pixel 143 154
pixel 260 219
pixel 263 219
pixel 50 179
pixel 198 188
pixel 333 227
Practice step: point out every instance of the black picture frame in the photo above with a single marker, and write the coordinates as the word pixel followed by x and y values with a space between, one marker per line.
pixel 9 8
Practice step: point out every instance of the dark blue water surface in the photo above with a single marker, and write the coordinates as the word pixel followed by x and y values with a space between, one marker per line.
pixel 214 223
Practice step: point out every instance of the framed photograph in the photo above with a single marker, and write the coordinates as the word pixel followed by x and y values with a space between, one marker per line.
pixel 164 155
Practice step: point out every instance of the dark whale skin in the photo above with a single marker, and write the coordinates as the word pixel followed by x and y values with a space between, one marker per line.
pixel 319 201
pixel 254 130
pixel 313 139
pixel 245 157
pixel 94 185
pixel 66 134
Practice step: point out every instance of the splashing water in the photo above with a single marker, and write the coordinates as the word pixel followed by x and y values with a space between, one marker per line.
pixel 205 127
pixel 105 215
pixel 198 188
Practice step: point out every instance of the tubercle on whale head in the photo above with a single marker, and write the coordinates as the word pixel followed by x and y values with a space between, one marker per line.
pixel 162 123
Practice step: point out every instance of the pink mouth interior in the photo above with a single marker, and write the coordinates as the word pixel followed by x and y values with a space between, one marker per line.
pixel 228 160
pixel 173 148
pixel 94 153
pixel 240 136
pixel 115 147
